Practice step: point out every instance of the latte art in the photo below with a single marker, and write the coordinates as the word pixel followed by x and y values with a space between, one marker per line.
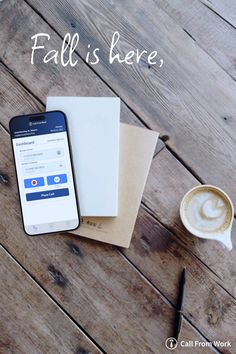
pixel 207 210
pixel 213 208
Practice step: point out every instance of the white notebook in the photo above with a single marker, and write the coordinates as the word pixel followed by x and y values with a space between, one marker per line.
pixel 93 124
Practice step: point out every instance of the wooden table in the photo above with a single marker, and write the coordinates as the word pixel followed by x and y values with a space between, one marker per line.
pixel 64 294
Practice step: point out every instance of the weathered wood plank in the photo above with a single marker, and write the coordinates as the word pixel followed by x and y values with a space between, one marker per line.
pixel 44 80
pixel 171 186
pixel 167 183
pixel 190 98
pixel 160 257
pixel 91 248
pixel 14 98
pixel 57 267
pixel 92 282
pixel 14 95
pixel 210 31
pixel 59 82
pixel 225 9
pixel 69 86
pixel 30 321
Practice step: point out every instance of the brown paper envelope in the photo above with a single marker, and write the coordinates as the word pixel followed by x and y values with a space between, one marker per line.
pixel 137 147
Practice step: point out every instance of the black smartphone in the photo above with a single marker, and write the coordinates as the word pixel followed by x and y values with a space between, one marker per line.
pixel 44 171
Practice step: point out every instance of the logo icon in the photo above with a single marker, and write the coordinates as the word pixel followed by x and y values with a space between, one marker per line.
pixel 171 343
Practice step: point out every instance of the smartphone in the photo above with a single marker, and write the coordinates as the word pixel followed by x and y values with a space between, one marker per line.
pixel 44 171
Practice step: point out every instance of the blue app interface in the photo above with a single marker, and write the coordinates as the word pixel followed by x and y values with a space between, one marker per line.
pixel 45 176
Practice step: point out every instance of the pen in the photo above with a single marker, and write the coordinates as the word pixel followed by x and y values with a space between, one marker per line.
pixel 179 307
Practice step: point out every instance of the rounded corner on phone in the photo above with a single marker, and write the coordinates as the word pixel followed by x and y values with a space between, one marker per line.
pixel 11 120
pixel 27 233
pixel 45 174
pixel 58 111
pixel 75 227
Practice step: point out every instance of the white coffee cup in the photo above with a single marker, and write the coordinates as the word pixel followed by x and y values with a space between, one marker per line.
pixel 207 212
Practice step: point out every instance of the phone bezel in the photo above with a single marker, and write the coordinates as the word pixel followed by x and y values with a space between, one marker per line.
pixel 72 168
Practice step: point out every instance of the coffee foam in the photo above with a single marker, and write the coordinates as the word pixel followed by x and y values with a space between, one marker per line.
pixel 207 210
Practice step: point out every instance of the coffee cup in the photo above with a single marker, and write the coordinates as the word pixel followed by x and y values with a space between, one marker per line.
pixel 207 212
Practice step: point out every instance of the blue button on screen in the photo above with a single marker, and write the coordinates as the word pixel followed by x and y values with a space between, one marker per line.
pixel 47 194
pixel 57 179
pixel 34 182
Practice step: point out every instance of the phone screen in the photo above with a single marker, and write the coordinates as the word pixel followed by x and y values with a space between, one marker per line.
pixel 44 173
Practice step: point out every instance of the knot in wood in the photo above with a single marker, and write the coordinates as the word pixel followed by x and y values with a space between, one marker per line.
pixel 4 179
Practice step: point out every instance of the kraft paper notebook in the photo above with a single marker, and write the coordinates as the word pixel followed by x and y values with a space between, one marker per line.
pixel 137 147
pixel 94 124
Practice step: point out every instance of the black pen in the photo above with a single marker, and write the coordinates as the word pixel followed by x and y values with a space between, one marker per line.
pixel 179 307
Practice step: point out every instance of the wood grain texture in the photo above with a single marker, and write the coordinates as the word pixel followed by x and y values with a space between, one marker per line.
pixel 95 285
pixel 44 80
pixel 163 193
pixel 58 262
pixel 225 9
pixel 175 179
pixel 211 32
pixel 30 321
pixel 14 98
pixel 167 183
pixel 160 257
pixel 190 98
pixel 64 249
pixel 48 80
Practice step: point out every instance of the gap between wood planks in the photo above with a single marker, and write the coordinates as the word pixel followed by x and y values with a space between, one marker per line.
pixel 125 104
pixel 126 257
pixel 196 41
pixel 163 138
pixel 10 71
pixel 149 211
pixel 140 273
pixel 216 13
pixel 32 6
pixel 163 297
pixel 115 93
pixel 48 295
pixel 146 278
pixel 90 67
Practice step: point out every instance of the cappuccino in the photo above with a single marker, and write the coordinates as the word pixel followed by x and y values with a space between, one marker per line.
pixel 206 210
